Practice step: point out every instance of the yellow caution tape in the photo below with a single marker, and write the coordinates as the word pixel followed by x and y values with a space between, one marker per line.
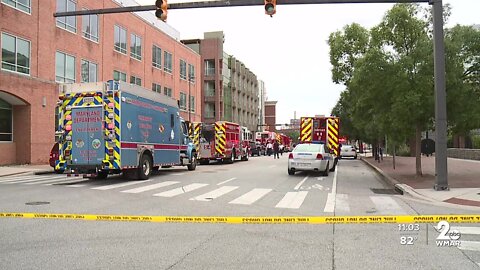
pixel 256 220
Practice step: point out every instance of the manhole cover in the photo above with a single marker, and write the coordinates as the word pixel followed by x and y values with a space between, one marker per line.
pixel 383 191
pixel 37 203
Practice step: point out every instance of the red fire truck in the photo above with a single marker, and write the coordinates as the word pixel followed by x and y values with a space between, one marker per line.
pixel 285 141
pixel 265 137
pixel 321 130
pixel 222 141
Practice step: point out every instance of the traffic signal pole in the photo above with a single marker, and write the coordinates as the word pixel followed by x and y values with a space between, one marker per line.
pixel 441 180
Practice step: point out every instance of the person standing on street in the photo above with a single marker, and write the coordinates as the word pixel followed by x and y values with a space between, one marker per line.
pixel 276 148
pixel 269 148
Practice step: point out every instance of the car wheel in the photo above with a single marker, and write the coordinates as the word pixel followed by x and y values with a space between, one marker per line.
pixel 291 172
pixel 145 167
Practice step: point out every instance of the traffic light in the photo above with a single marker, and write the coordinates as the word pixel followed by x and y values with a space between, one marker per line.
pixel 270 6
pixel 161 12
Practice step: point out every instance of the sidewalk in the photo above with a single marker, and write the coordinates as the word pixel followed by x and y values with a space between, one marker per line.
pixel 25 169
pixel 463 179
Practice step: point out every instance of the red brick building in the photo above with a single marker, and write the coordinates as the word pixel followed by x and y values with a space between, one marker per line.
pixel 40 51
pixel 270 115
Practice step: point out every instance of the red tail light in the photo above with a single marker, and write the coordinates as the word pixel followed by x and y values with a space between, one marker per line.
pixel 290 156
pixel 319 156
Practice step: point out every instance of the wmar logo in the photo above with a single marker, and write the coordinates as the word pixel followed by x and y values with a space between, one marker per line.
pixel 447 237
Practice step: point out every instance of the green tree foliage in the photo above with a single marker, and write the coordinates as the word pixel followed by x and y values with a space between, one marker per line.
pixel 388 74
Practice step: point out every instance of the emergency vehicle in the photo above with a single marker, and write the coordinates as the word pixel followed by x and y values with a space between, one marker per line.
pixel 285 141
pixel 221 141
pixel 321 130
pixel 264 137
pixel 115 127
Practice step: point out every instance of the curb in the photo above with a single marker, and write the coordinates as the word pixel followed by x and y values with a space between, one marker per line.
pixel 389 180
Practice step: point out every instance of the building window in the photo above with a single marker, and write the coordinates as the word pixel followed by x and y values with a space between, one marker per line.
pixel 209 110
pixel 167 91
pixel 23 5
pixel 70 22
pixel 209 67
pixel 135 80
pixel 90 27
pixel 89 71
pixel 64 68
pixel 183 101
pixel 191 73
pixel 210 89
pixel 15 54
pixel 167 62
pixel 156 88
pixel 183 70
pixel 136 47
pixel 120 36
pixel 156 57
pixel 6 120
pixel 119 76
pixel 192 103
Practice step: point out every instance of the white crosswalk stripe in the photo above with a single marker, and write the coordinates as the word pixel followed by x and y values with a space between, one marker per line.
pixel 150 187
pixel 31 179
pixel 251 196
pixel 8 178
pixel 465 232
pixel 214 193
pixel 180 190
pixel 119 185
pixel 292 200
pixel 387 205
pixel 341 204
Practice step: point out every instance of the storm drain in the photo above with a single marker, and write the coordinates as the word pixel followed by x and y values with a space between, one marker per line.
pixel 384 191
pixel 37 203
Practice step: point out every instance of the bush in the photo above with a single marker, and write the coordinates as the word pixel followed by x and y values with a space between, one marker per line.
pixel 476 141
pixel 403 150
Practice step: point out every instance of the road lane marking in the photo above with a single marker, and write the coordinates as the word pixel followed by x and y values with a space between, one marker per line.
pixel 214 194
pixel 330 204
pixel 292 200
pixel 77 185
pixel 341 203
pixel 466 230
pixel 8 179
pixel 469 245
pixel 272 166
pixel 42 182
pixel 177 174
pixel 150 187
pixel 386 205
pixel 300 184
pixel 36 179
pixel 180 190
pixel 331 197
pixel 226 181
pixel 119 185
pixel 251 196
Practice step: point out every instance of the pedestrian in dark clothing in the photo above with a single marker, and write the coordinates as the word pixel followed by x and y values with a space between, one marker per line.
pixel 276 148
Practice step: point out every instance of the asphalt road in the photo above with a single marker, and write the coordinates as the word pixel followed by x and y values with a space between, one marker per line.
pixel 258 187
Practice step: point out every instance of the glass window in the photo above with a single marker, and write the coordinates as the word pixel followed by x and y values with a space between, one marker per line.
pixel 156 88
pixel 156 57
pixel 6 121
pixel 183 101
pixel 167 91
pixel 310 148
pixel 183 69
pixel 167 62
pixel 90 27
pixel 89 71
pixel 209 67
pixel 69 23
pixel 136 47
pixel 192 103
pixel 119 76
pixel 120 38
pixel 135 80
pixel 191 73
pixel 23 5
pixel 64 68
pixel 210 89
pixel 15 54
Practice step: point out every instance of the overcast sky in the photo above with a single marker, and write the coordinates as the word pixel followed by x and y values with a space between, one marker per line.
pixel 289 51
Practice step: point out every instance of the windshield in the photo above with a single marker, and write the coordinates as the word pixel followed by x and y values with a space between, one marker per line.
pixel 309 148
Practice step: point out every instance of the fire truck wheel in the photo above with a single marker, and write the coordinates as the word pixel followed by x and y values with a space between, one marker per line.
pixel 145 167
pixel 193 164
